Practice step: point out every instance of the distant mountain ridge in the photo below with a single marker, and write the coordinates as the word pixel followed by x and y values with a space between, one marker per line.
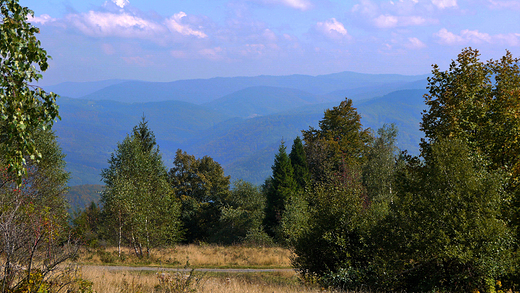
pixel 201 91
pixel 241 129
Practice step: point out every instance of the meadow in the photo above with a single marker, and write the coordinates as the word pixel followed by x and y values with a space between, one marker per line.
pixel 165 270
pixel 198 256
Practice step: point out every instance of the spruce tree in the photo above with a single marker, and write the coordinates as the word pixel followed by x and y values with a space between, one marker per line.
pixel 299 163
pixel 281 188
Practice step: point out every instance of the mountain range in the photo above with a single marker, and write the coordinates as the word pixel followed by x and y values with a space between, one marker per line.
pixel 239 121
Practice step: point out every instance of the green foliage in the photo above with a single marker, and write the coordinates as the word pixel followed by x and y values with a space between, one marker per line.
pixel 295 218
pixel 81 196
pixel 329 225
pixel 202 188
pixel 338 144
pixel 242 214
pixel 478 103
pixel 332 237
pixel 23 108
pixel 34 234
pixel 87 225
pixel 378 171
pixel 138 203
pixel 298 158
pixel 280 188
pixel 445 230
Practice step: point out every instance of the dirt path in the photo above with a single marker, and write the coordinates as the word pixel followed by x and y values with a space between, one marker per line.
pixel 125 268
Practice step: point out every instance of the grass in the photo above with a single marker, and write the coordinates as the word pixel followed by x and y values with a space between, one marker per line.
pixel 121 280
pixel 108 281
pixel 198 256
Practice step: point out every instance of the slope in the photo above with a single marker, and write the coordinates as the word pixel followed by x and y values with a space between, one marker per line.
pixel 261 100
pixel 200 91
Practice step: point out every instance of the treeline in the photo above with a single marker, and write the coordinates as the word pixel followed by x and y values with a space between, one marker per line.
pixel 358 213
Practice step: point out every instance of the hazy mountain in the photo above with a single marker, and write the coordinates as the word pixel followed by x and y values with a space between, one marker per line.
pixel 261 101
pixel 200 91
pixel 242 128
pixel 89 131
pixel 80 196
pixel 80 89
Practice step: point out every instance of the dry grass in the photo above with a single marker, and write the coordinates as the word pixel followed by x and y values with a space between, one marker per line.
pixel 207 256
pixel 106 281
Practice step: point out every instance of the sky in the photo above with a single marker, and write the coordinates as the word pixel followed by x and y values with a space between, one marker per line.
pixel 167 40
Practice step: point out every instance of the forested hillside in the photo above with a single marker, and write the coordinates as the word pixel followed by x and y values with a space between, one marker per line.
pixel 241 130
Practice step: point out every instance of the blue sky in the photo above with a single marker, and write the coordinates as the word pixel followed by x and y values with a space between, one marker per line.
pixel 166 40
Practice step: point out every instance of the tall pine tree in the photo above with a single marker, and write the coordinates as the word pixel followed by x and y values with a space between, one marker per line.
pixel 281 187
pixel 299 163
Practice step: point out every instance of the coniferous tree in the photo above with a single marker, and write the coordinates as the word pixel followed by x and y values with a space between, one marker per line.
pixel 299 163
pixel 281 187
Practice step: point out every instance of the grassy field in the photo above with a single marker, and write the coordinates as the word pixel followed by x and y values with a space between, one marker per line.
pixel 199 256
pixel 156 281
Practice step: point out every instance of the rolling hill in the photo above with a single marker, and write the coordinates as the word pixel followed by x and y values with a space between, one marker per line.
pixel 241 130
pixel 200 91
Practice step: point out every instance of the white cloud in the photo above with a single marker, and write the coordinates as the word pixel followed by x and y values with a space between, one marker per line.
pixel 391 14
pixel 441 4
pixel 212 53
pixel 298 4
pixel 367 8
pixel 389 21
pixel 42 19
pixel 104 24
pixel 512 40
pixel 386 21
pixel 448 38
pixel 501 4
pixel 175 25
pixel 332 29
pixel 414 44
pixel 475 37
pixel 121 3
pixel 108 24
pixel 269 35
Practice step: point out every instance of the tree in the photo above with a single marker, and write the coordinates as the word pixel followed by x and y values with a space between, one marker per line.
pixel 23 108
pixel 281 187
pixel 202 188
pixel 299 163
pixel 242 215
pixel 34 236
pixel 330 237
pixel 445 231
pixel 379 168
pixel 338 145
pixel 138 202
pixel 478 103
pixel 87 224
